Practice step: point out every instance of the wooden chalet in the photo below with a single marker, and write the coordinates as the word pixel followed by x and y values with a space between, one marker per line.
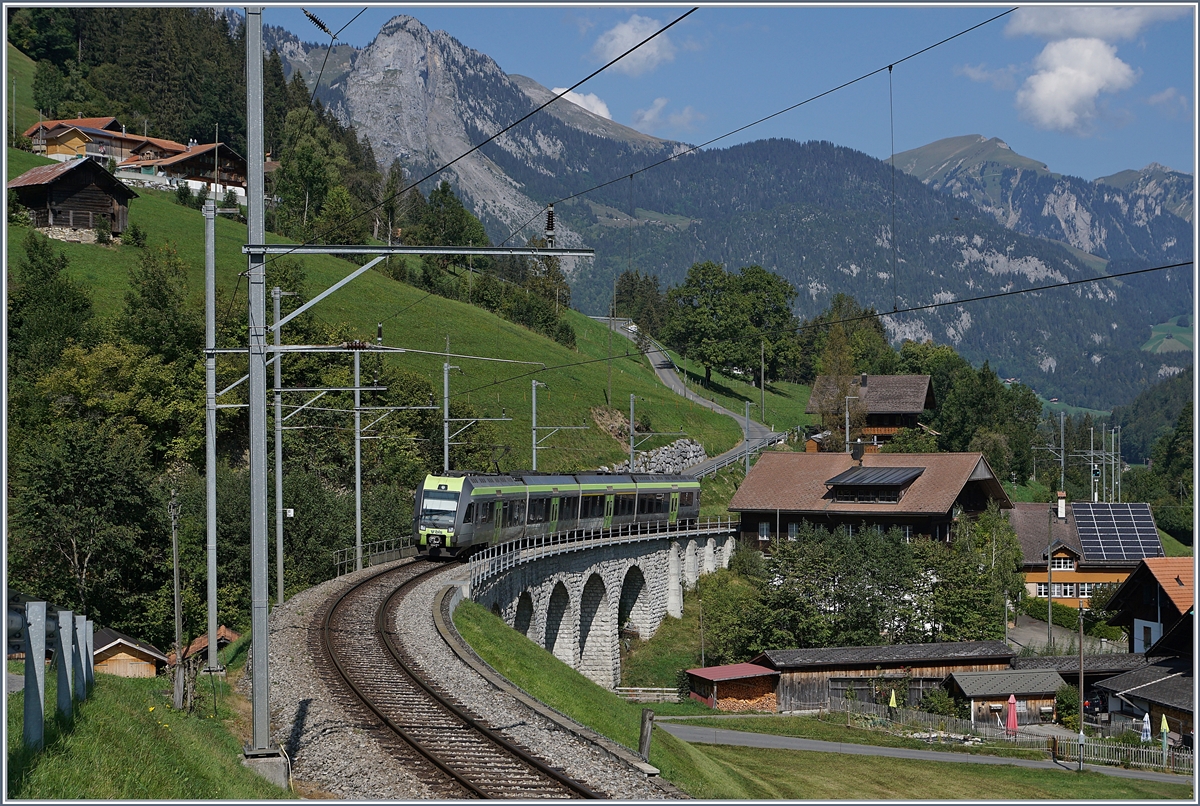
pixel 919 493
pixel 1159 592
pixel 199 644
pixel 194 163
pixel 1096 668
pixel 1060 562
pixel 74 194
pixel 811 678
pixel 115 653
pixel 735 687
pixel 888 403
pixel 1163 687
pixel 988 694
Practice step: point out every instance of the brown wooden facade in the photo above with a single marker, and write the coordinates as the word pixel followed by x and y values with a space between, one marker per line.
pixel 749 694
pixel 124 661
pixel 75 194
pixel 804 689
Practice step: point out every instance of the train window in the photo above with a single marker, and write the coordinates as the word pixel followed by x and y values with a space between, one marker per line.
pixel 624 505
pixel 538 508
pixel 568 510
pixel 592 507
pixel 518 510
pixel 469 517
pixel 686 499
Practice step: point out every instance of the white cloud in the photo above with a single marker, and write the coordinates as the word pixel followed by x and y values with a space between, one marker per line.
pixel 649 119
pixel 1002 78
pixel 1071 74
pixel 1110 23
pixel 621 37
pixel 589 101
pixel 654 119
pixel 1171 103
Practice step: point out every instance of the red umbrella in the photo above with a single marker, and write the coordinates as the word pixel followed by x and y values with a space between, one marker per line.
pixel 1010 726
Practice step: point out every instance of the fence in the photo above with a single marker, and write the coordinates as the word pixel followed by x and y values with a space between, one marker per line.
pixel 379 551
pixel 934 723
pixel 503 556
pixel 1096 751
pixel 643 694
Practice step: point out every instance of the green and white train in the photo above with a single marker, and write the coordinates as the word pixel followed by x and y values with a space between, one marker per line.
pixel 459 512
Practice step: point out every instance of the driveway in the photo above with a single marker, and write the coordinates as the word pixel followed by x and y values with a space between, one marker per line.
pixel 703 735
pixel 1031 633
pixel 666 371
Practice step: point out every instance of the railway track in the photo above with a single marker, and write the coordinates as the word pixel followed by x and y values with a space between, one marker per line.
pixel 456 755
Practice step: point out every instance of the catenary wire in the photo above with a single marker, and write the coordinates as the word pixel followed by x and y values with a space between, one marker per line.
pixel 740 129
pixel 814 326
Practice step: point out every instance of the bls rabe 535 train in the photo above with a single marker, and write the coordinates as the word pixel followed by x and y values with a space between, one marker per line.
pixel 459 512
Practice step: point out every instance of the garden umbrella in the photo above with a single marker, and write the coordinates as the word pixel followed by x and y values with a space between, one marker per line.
pixel 1010 726
pixel 1146 727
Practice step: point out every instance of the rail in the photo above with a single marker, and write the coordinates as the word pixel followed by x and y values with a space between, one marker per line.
pixel 501 557
pixel 752 446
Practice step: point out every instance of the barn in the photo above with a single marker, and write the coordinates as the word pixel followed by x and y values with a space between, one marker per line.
pixel 988 693
pixel 74 194
pixel 115 653
pixel 810 678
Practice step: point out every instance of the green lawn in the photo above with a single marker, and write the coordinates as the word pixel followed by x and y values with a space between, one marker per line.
pixel 785 401
pixel 125 742
pixel 1029 492
pixel 1172 547
pixel 20 77
pixel 1171 336
pixel 577 380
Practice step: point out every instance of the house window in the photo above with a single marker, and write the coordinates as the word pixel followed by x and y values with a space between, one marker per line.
pixel 1062 564
pixel 764 530
pixel 1064 590
pixel 1085 589
pixel 907 533
pixel 793 530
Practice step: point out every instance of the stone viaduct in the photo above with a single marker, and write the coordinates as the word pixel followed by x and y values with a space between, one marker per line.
pixel 575 602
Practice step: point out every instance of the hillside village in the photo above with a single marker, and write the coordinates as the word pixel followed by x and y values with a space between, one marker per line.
pixel 924 535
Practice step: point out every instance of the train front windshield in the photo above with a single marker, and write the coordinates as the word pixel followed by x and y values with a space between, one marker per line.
pixel 437 509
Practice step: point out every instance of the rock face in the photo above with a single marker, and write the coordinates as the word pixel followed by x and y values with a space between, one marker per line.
pixel 1132 214
pixel 423 97
pixel 674 458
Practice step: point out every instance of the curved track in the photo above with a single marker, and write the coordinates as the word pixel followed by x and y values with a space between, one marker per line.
pixel 362 654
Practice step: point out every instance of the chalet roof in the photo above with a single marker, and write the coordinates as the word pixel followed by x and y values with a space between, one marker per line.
pixel 733 671
pixel 1177 640
pixel 1008 681
pixel 882 394
pixel 996 651
pixel 1105 663
pixel 798 482
pixel 183 156
pixel 108 637
pixel 1175 576
pixel 106 124
pixel 1034 533
pixel 1167 682
pixel 49 174
pixel 225 636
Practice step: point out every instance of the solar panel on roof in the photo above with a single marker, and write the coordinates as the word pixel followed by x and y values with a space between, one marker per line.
pixel 1116 532
pixel 882 476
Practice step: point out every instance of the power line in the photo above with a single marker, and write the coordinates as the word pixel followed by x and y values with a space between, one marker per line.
pixel 517 122
pixel 809 100
pixel 862 317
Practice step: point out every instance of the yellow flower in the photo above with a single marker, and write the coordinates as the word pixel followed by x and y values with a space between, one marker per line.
pixel 151 707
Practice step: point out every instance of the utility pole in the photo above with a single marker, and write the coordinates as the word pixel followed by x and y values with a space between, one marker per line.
pixel 357 463
pixel 210 424
pixel 848 399
pixel 747 436
pixel 1062 454
pixel 631 433
pixel 276 293
pixel 446 367
pixel 173 508
pixel 612 315
pixel 762 378
pixel 536 384
pixel 1092 460
pixel 1081 736
pixel 1050 580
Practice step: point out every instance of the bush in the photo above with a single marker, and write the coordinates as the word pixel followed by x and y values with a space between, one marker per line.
pixel 1068 618
pixel 564 334
pixel 134 236
pixel 183 194
pixel 1066 703
pixel 18 215
pixel 683 685
pixel 939 701
pixel 230 200
pixel 103 230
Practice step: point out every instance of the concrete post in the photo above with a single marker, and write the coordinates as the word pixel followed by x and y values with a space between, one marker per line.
pixel 357 463
pixel 631 440
pixel 276 294
pixel 63 657
pixel 89 665
pixel 35 675
pixel 210 422
pixel 446 417
pixel 79 646
pixel 535 386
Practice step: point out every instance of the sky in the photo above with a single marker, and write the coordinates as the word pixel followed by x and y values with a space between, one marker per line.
pixel 1089 91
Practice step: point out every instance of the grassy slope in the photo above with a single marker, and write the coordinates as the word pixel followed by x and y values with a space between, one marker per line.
pixel 415 320
pixel 720 772
pixel 785 402
pixel 20 68
pixel 1172 547
pixel 127 743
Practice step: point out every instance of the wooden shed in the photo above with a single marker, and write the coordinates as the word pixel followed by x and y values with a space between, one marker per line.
pixel 74 194
pixel 810 678
pixel 988 693
pixel 735 687
pixel 123 656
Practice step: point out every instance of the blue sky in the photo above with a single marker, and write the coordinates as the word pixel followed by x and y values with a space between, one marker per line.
pixel 1087 90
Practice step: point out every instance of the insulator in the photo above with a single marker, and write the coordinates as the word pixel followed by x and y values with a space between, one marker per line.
pixel 550 219
pixel 379 333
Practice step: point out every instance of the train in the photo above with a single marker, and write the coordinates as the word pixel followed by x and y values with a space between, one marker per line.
pixel 459 512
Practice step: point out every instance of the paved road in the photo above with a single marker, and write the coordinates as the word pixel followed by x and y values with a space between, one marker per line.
pixel 1029 632
pixel 664 368
pixel 702 735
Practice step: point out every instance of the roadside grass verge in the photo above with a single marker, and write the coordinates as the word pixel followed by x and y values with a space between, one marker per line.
pixel 802 775
pixel 125 742
pixel 724 772
pixel 833 728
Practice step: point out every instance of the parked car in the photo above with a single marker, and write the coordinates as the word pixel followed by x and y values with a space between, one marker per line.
pixel 1093 703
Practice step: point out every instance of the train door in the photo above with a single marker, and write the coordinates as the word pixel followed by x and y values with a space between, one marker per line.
pixel 497 520
pixel 553 525
pixel 608 511
pixel 673 516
